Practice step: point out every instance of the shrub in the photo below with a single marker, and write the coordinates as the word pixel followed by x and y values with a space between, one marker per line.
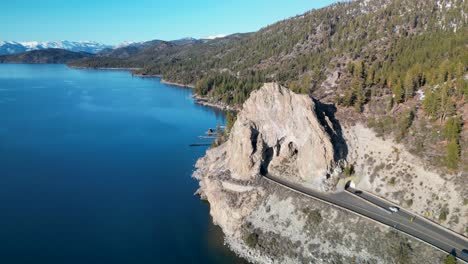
pixel 348 170
pixel 443 216
pixel 230 120
pixel 409 202
pixel 251 240
pixel 313 216
pixel 406 120
pixel 450 260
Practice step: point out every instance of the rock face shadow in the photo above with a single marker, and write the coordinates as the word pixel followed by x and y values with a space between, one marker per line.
pixel 326 116
pixel 267 157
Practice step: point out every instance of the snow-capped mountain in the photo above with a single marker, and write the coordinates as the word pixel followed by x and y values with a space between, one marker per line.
pixel 185 40
pixel 127 43
pixel 214 36
pixel 12 47
pixel 154 41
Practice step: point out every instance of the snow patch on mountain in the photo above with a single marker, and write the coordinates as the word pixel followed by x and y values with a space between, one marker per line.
pixel 12 47
pixel 126 44
pixel 215 36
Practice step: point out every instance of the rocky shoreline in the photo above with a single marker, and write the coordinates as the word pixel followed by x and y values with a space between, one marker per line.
pixel 177 84
pixel 200 99
pixel 219 105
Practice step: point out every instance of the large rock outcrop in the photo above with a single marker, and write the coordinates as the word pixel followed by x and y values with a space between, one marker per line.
pixel 278 132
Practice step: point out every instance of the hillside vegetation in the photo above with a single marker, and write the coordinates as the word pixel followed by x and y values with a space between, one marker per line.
pixel 399 65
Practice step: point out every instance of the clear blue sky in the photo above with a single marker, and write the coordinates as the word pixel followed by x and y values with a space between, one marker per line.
pixel 114 21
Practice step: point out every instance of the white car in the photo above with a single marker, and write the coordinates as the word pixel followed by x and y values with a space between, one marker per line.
pixel 393 209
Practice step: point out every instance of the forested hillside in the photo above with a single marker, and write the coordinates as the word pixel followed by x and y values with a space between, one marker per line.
pixel 399 65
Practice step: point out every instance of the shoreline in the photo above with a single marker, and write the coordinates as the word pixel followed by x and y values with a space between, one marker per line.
pixel 177 84
pixel 164 81
pixel 102 68
pixel 206 102
pixel 196 98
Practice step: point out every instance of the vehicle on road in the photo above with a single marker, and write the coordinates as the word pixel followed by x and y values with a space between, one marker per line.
pixel 412 219
pixel 464 253
pixel 393 209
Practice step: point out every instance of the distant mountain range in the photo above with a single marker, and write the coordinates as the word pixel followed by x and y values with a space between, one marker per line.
pixel 45 56
pixel 67 51
pixel 14 47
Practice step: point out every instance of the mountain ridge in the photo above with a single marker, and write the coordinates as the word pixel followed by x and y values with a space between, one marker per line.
pixel 13 47
pixel 55 56
pixel 94 47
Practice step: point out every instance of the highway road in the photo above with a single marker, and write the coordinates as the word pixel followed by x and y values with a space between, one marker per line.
pixel 377 209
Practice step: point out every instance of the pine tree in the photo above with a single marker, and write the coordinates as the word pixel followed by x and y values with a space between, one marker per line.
pixel 348 98
pixel 446 105
pixel 230 120
pixel 390 104
pixel 409 85
pixel 443 72
pixel 453 154
pixel 360 71
pixel 305 84
pixel 430 103
pixel 359 94
pixel 398 92
pixel 406 120
pixel 452 128
pixel 370 77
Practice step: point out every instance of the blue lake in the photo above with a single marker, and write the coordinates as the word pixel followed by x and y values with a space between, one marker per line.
pixel 95 167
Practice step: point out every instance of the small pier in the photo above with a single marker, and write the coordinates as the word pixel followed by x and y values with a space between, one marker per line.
pixel 199 144
pixel 211 134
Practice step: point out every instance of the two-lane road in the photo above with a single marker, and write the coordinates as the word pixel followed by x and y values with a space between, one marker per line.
pixel 454 238
pixel 377 209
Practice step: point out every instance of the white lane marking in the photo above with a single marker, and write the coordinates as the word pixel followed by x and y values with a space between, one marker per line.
pixel 304 191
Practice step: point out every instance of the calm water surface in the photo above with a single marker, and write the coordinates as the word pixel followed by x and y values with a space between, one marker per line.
pixel 95 167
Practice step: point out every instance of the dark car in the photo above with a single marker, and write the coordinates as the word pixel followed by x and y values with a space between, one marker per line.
pixel 464 253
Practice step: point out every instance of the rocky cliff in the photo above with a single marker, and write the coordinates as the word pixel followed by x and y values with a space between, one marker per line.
pixel 279 133
pixel 291 136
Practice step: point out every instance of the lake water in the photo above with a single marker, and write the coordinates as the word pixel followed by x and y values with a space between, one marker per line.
pixel 95 167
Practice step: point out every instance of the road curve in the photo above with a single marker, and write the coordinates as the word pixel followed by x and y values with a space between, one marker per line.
pixel 377 209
